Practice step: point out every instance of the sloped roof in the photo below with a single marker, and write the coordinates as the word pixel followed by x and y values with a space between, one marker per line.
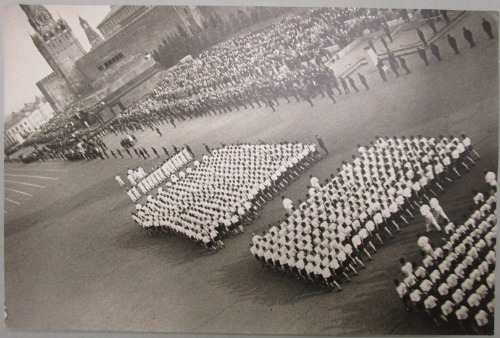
pixel 16 118
pixel 114 9
pixel 82 21
pixel 24 112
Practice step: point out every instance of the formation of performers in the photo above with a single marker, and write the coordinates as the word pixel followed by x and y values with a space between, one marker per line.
pixel 222 193
pixel 326 236
pixel 143 183
pixel 455 283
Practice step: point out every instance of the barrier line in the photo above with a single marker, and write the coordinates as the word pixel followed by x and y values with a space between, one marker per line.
pixel 39 170
pixel 21 192
pixel 11 201
pixel 33 185
pixel 42 177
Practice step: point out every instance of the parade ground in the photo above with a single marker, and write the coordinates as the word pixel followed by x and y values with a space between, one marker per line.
pixel 75 260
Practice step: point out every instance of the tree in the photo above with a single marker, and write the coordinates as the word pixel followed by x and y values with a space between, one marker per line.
pixel 205 24
pixel 213 22
pixel 156 56
pixel 254 15
pixel 196 45
pixel 244 18
pixel 219 20
pixel 227 29
pixel 265 13
pixel 234 23
pixel 182 31
pixel 212 36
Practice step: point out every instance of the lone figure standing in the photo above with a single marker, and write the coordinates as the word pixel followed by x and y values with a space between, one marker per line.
pixel 119 180
pixel 321 144
pixel 421 36
pixel 353 84
pixel 487 28
pixel 435 51
pixel 402 62
pixel 468 37
pixel 453 44
pixel 393 63
pixel 384 43
pixel 432 25
pixel 380 67
pixel 372 46
pixel 208 149
pixel 363 81
pixel 445 16
pixel 423 55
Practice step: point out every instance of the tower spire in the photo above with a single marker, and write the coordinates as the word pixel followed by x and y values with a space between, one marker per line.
pixel 92 36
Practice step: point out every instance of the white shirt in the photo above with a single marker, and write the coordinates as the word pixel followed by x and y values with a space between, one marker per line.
pixel 430 302
pixel 287 203
pixel 490 177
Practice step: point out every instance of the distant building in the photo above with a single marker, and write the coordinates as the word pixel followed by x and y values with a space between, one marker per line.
pixel 118 68
pixel 117 63
pixel 119 17
pixel 40 115
pixel 26 121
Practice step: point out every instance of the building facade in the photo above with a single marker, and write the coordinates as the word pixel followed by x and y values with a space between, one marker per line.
pixel 26 121
pixel 118 62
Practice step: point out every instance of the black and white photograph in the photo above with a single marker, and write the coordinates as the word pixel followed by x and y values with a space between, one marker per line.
pixel 264 170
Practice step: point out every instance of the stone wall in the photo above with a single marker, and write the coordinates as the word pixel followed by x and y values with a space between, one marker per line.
pixel 61 52
pixel 55 90
pixel 141 36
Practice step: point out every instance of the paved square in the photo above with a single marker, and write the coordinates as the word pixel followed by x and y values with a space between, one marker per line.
pixel 74 260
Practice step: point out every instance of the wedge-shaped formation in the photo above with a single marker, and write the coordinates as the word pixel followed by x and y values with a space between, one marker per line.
pixel 323 240
pixel 223 192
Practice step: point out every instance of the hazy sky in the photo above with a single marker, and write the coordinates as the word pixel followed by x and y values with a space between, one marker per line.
pixel 23 64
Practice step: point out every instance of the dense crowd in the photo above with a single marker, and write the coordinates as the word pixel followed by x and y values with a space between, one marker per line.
pixel 455 284
pixel 72 148
pixel 220 194
pixel 284 61
pixel 57 128
pixel 324 238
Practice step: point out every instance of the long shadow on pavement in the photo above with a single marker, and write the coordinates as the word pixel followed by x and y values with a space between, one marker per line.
pixel 168 248
pixel 249 280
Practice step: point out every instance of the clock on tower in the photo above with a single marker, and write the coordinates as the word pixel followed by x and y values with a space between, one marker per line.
pixel 39 17
pixel 42 18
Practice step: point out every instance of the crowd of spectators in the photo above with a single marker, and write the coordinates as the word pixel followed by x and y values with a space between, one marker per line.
pixel 286 60
pixel 72 148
